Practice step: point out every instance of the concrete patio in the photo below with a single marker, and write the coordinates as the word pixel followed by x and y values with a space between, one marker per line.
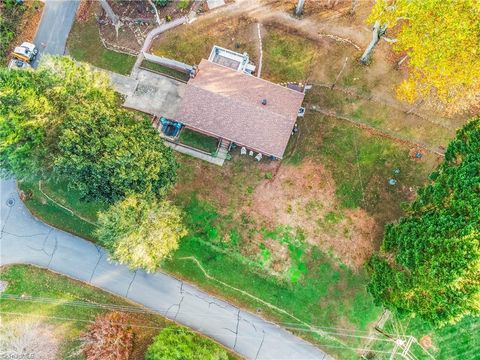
pixel 156 94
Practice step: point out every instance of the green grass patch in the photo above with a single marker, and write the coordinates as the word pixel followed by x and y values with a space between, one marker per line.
pixel 198 141
pixel 287 57
pixel 392 120
pixel 165 70
pixel 361 164
pixel 183 4
pixel 318 291
pixel 84 44
pixel 79 222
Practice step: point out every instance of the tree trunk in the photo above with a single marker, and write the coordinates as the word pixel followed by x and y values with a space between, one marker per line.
pixel 299 8
pixel 353 8
pixel 378 32
pixel 111 15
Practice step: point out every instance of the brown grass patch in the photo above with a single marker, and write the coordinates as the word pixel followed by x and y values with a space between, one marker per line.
pixel 304 197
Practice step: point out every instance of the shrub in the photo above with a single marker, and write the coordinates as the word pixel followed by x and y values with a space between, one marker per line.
pixel 161 3
pixel 179 343
pixel 183 4
pixel 108 338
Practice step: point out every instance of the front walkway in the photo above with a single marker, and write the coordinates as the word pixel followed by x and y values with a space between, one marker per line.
pixel 26 240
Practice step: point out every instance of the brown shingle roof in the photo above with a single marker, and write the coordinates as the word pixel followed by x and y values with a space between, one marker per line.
pixel 228 104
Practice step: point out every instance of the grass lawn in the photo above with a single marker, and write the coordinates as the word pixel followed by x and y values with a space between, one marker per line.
pixel 80 222
pixel 287 57
pixel 361 164
pixel 198 141
pixel 165 70
pixel 193 42
pixel 392 120
pixel 84 44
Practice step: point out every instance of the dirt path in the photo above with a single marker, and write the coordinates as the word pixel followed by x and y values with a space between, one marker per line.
pixel 263 13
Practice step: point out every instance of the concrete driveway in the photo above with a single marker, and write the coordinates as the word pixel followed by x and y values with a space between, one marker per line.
pixel 156 94
pixel 57 20
pixel 24 239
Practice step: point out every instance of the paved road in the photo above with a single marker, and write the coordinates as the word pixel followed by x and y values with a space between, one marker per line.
pixel 57 20
pixel 26 240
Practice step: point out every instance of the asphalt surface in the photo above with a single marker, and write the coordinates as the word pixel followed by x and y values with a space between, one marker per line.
pixel 55 25
pixel 26 240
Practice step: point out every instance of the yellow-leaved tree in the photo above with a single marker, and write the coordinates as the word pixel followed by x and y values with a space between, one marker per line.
pixel 441 39
pixel 141 232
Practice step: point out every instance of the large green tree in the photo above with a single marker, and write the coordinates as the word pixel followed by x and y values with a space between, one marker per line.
pixel 179 343
pixel 442 41
pixel 108 153
pixel 64 119
pixel 429 264
pixel 141 232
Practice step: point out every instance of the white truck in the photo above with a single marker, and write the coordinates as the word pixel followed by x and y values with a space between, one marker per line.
pixel 25 52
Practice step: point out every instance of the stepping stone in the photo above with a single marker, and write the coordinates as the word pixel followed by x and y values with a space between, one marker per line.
pixel 213 4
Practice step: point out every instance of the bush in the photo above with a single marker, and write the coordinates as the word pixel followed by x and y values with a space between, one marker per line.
pixel 183 4
pixel 108 338
pixel 179 343
pixel 161 3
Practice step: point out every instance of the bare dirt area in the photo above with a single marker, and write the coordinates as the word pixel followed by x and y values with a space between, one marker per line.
pixel 304 197
pixel 137 18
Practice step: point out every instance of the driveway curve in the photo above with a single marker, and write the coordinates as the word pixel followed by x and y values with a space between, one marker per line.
pixel 26 240
pixel 55 25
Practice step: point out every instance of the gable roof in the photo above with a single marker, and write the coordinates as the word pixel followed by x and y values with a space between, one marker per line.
pixel 226 103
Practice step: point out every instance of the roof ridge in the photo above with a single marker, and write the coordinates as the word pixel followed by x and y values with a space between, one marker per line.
pixel 230 98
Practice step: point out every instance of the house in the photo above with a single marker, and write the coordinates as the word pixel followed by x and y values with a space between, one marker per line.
pixel 224 101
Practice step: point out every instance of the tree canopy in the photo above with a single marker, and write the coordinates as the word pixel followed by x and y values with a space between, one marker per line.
pixel 179 343
pixel 139 232
pixel 65 120
pixel 442 41
pixel 429 265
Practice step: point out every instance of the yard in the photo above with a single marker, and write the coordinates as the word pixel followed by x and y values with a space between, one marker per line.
pixel 293 234
pixel 37 295
pixel 190 44
pixel 84 44
pixel 289 239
